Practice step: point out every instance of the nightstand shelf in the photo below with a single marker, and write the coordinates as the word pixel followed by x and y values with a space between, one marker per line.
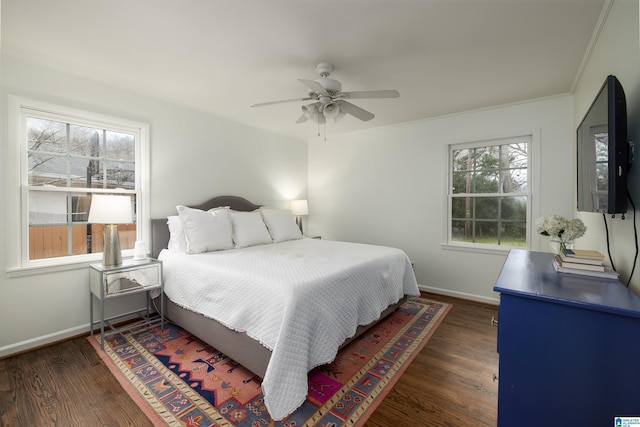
pixel 132 277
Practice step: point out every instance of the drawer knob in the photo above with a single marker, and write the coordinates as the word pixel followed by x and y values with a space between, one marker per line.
pixel 493 320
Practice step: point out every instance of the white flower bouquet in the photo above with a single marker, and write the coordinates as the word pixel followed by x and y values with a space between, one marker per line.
pixel 560 228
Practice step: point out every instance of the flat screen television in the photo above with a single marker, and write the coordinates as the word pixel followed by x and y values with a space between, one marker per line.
pixel 603 152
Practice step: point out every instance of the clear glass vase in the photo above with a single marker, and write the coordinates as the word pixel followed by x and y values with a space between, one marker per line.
pixel 557 245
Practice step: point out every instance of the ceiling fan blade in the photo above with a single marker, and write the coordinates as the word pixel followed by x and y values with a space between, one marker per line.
pixel 314 86
pixel 362 94
pixel 354 110
pixel 262 104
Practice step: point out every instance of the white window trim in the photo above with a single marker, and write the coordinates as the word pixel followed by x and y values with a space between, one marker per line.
pixel 533 207
pixel 17 223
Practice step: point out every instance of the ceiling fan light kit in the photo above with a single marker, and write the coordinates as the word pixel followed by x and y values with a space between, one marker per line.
pixel 331 111
pixel 330 102
pixel 309 111
pixel 313 113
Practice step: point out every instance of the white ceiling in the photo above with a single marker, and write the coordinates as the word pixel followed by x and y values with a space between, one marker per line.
pixel 443 56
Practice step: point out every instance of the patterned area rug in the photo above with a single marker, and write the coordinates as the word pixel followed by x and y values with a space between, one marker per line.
pixel 180 381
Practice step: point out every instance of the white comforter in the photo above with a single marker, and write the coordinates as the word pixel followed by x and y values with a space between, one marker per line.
pixel 300 298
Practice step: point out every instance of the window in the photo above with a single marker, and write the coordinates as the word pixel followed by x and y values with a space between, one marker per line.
pixel 489 193
pixel 65 156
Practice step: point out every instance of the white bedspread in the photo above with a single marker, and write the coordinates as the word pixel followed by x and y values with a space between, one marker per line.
pixel 300 298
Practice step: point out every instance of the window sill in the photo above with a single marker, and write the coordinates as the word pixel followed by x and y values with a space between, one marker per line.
pixel 484 249
pixel 48 267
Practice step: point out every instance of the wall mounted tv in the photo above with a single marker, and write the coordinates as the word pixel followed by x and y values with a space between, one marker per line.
pixel 603 152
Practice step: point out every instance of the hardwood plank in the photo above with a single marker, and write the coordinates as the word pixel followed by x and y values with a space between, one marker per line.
pixel 65 384
pixel 448 384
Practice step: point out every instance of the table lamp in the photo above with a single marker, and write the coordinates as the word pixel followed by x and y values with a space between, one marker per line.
pixel 299 208
pixel 110 210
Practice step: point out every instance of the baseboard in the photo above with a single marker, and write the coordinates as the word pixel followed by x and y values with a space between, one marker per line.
pixel 55 337
pixel 42 340
pixel 463 295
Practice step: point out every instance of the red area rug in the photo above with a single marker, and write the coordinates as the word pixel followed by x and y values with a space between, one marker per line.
pixel 178 380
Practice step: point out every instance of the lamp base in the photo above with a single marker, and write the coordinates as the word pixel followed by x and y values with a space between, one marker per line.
pixel 112 255
pixel 299 223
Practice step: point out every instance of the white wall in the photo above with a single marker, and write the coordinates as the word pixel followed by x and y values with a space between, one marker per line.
pixel 386 186
pixel 193 157
pixel 383 186
pixel 616 52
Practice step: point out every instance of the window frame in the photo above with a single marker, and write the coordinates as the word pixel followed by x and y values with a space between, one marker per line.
pixel 18 188
pixel 532 210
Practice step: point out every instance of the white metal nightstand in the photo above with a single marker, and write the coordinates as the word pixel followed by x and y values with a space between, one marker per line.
pixel 132 277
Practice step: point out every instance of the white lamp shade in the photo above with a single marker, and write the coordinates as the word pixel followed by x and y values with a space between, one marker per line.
pixel 108 209
pixel 331 111
pixel 310 111
pixel 299 207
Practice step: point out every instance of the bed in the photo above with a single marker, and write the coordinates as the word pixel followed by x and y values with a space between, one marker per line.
pixel 281 354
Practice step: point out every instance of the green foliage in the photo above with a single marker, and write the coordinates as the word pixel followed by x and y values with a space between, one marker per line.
pixel 485 201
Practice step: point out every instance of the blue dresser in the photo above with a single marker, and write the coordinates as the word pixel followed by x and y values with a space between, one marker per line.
pixel 569 346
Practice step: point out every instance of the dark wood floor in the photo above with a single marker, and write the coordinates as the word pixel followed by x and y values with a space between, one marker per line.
pixel 450 383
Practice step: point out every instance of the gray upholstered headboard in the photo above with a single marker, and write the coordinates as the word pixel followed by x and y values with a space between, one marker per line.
pixel 160 230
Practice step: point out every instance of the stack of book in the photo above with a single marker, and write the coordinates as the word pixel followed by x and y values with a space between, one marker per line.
pixel 584 262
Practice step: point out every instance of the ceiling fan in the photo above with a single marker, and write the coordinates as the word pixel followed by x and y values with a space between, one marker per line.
pixel 330 101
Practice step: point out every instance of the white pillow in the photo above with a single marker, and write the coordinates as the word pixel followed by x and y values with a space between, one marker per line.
pixel 177 240
pixel 281 224
pixel 249 229
pixel 206 231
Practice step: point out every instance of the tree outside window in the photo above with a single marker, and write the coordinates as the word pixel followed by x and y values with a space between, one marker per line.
pixel 59 158
pixel 489 192
pixel 66 164
pixel 65 157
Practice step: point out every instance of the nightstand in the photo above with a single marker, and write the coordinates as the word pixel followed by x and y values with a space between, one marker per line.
pixel 132 277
